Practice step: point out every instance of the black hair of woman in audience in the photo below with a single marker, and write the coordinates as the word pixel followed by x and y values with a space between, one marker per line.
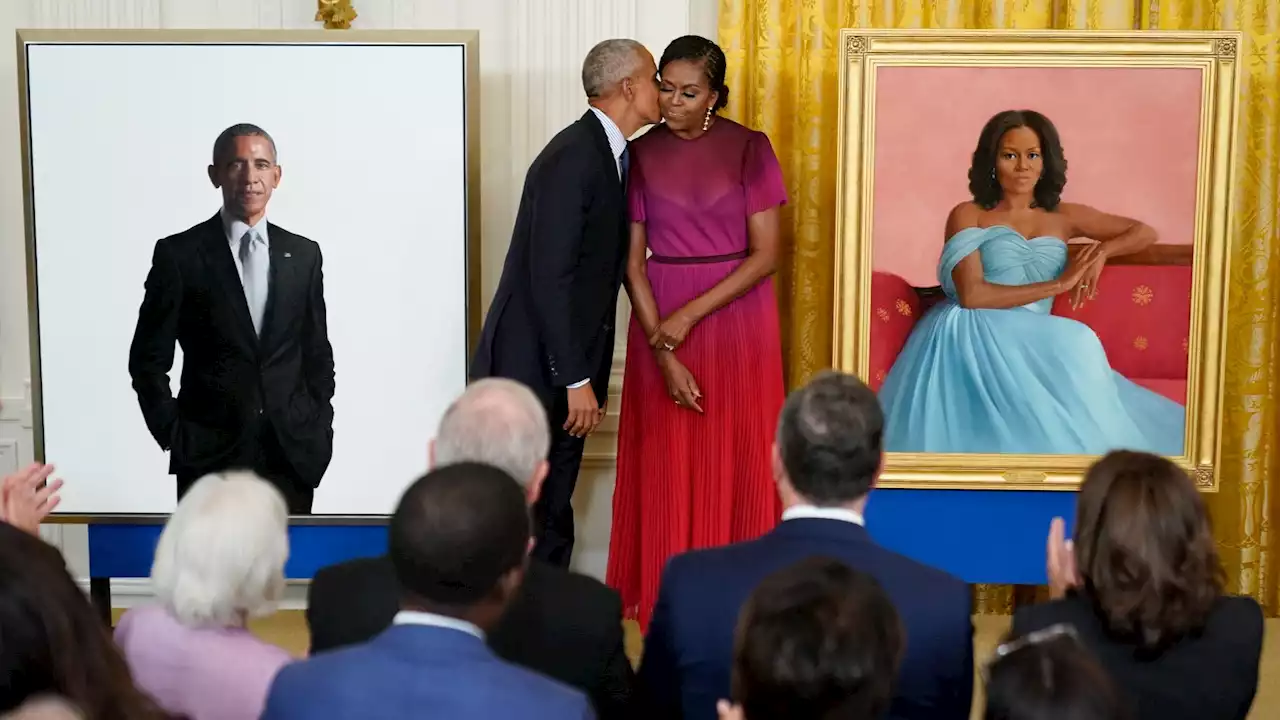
pixel 52 642
pixel 1049 676
pixel 816 640
pixel 1142 584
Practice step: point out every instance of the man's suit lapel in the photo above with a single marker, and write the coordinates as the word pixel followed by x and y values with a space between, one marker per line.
pixel 600 139
pixel 217 257
pixel 282 283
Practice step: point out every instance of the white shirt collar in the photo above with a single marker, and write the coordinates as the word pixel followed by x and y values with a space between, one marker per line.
pixel 617 141
pixel 415 617
pixel 798 512
pixel 235 229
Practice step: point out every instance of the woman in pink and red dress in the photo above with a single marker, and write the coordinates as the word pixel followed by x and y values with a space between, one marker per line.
pixel 703 384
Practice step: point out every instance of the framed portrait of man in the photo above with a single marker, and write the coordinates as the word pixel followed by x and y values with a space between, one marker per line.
pixel 1032 236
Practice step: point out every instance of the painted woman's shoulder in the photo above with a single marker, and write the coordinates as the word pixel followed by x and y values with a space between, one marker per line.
pixel 962 217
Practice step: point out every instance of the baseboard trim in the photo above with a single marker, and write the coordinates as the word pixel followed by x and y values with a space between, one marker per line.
pixel 131 592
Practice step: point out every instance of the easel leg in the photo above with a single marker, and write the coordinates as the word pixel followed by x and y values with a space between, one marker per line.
pixel 100 596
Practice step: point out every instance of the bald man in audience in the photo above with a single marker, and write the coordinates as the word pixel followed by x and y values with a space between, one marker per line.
pixel 565 625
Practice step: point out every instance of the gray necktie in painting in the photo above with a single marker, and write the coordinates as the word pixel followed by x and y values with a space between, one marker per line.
pixel 254 277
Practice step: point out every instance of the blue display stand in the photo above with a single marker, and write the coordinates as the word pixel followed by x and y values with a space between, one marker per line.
pixel 980 536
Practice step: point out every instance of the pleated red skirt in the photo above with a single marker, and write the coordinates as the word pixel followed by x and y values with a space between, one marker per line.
pixel 687 480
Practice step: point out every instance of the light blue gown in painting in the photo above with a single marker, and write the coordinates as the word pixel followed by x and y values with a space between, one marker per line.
pixel 1018 380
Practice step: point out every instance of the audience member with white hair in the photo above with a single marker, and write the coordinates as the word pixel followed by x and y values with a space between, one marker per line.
pixel 220 561
pixel 565 625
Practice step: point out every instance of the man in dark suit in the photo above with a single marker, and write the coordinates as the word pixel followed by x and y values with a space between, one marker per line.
pixel 245 299
pixel 458 542
pixel 551 322
pixel 562 624
pixel 826 457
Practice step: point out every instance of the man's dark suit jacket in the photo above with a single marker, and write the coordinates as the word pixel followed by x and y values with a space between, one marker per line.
pixel 230 376
pixel 689 648
pixel 551 321
pixel 1210 675
pixel 562 624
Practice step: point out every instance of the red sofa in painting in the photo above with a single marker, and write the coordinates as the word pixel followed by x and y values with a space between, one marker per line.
pixel 1141 315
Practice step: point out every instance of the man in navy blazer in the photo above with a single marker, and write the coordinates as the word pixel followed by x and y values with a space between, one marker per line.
pixel 459 541
pixel 827 454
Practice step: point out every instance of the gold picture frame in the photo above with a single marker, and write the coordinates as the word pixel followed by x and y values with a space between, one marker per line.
pixel 866 52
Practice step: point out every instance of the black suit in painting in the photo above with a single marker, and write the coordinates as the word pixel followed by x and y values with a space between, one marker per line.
pixel 551 322
pixel 245 402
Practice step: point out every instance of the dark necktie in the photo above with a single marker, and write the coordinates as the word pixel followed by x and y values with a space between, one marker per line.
pixel 625 161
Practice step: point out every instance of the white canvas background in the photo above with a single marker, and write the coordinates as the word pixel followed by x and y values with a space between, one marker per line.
pixel 371 140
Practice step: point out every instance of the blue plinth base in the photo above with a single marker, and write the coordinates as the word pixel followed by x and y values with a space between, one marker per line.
pixel 979 536
pixel 126 551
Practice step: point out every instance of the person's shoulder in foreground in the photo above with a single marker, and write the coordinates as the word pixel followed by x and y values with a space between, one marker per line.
pixel 585 593
pixel 1233 620
pixel 350 602
pixel 374 681
pixel 569 626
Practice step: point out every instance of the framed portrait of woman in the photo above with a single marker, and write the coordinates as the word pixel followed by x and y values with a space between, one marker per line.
pixel 1032 239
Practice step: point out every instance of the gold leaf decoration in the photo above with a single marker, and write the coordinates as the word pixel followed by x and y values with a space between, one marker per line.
pixel 882 314
pixel 903 307
pixel 335 14
pixel 1142 295
pixel 1140 342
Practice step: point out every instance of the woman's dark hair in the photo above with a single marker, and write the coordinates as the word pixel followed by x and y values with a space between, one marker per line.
pixel 816 640
pixel 1145 550
pixel 1051 679
pixel 983 183
pixel 697 49
pixel 51 640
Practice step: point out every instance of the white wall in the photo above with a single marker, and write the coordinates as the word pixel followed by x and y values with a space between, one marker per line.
pixel 530 58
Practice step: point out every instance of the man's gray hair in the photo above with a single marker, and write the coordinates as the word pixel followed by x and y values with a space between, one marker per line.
pixel 222 145
pixel 496 422
pixel 608 64
pixel 221 556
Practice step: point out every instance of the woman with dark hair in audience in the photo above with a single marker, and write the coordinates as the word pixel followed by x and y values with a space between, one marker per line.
pixel 817 640
pixel 703 381
pixel 52 643
pixel 1142 585
pixel 1049 675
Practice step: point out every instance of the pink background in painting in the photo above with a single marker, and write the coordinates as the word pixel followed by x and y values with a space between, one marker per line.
pixel 1130 136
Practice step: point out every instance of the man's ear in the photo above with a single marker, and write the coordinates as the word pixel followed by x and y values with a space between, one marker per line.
pixel 431 454
pixel 213 177
pixel 534 490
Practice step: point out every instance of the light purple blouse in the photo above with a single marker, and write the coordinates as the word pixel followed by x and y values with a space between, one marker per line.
pixel 198 673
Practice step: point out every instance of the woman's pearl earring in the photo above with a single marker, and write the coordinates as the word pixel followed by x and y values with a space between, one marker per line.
pixel 706 122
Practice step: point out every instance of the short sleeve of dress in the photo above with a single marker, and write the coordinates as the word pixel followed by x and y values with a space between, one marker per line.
pixel 635 192
pixel 762 176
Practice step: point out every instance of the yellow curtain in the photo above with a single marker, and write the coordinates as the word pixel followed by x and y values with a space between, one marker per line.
pixel 783 65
